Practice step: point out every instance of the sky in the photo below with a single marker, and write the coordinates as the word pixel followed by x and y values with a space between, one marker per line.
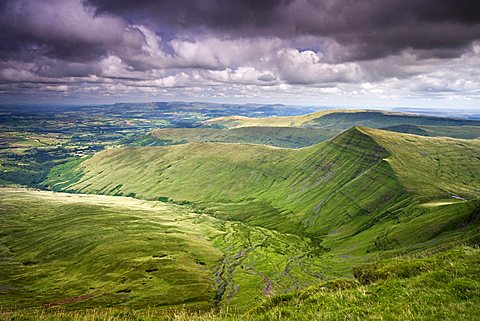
pixel 371 53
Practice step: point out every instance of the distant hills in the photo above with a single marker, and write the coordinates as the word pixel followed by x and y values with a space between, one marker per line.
pixel 343 119
pixel 310 129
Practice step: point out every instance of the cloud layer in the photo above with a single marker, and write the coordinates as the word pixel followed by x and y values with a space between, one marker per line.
pixel 322 50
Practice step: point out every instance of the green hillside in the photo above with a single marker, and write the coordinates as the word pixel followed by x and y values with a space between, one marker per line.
pixel 430 287
pixel 378 119
pixel 363 191
pixel 433 287
pixel 466 132
pixel 221 231
pixel 291 137
pixel 79 257
pixel 83 251
pixel 333 122
pixel 308 130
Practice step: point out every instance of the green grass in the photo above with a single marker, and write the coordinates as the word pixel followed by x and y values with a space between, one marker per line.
pixel 443 286
pixel 355 178
pixel 235 225
pixel 85 251
pixel 275 136
pixel 429 286
pixel 358 195
pixel 114 251
pixel 465 132
pixel 379 119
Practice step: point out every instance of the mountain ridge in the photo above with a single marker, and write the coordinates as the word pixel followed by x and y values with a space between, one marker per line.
pixel 347 187
pixel 341 119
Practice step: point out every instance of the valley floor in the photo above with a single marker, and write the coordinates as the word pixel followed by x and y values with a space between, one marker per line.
pixel 73 257
pixel 97 251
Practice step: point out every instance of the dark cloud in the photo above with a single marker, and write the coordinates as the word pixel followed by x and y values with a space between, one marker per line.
pixel 226 14
pixel 371 28
pixel 61 29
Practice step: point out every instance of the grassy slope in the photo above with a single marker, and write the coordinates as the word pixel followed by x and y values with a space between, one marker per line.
pixel 307 130
pixel 104 251
pixel 362 192
pixel 433 166
pixel 431 287
pixel 274 136
pixel 443 286
pixel 60 246
pixel 249 182
pixel 292 121
pixel 378 119
pixel 280 121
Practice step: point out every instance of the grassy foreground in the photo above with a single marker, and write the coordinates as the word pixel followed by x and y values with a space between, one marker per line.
pixel 432 286
pixel 85 251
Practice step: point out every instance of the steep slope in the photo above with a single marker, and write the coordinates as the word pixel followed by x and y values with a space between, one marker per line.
pixel 433 166
pixel 291 137
pixel 355 192
pixel 433 287
pixel 266 179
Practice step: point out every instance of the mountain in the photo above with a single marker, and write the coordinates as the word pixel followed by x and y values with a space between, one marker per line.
pixel 291 137
pixel 204 230
pixel 342 188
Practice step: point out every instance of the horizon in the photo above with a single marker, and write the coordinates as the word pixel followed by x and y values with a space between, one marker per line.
pixel 320 107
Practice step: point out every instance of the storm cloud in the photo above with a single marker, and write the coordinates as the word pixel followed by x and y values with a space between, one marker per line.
pixel 270 48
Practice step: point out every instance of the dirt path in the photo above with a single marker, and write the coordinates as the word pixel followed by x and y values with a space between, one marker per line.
pixel 68 301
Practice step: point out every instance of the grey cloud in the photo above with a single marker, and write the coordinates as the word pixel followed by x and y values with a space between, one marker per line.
pixel 369 29
pixel 62 29
pixel 117 46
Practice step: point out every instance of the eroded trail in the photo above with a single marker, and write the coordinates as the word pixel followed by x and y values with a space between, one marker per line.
pixel 260 262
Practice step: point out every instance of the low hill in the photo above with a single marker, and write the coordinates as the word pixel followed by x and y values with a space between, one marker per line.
pixel 279 121
pixel 307 130
pixel 363 191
